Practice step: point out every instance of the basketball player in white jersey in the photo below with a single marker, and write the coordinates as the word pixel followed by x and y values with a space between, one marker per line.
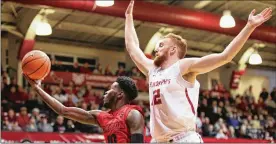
pixel 173 88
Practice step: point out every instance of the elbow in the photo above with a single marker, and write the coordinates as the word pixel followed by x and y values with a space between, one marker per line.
pixel 226 58
pixel 62 111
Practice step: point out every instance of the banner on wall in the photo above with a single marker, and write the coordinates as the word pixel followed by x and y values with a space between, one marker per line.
pixel 99 81
pixel 235 79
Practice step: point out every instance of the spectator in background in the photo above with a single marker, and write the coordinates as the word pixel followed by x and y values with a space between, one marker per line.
pixel 59 95
pixel 7 77
pixel 72 86
pixel 32 127
pixel 23 118
pixel 255 122
pixel 4 90
pixel 91 96
pixel 59 125
pixel 47 88
pixel 14 84
pixel 36 115
pixel 75 68
pixel 273 94
pixel 98 70
pixel 11 117
pixel 270 105
pixel 72 98
pixel 221 135
pixel 85 68
pixel 134 73
pixel 44 126
pixel 264 94
pixel 121 71
pixel 233 120
pixel 205 127
pixel 232 133
pixel 249 93
pixel 33 101
pixel 108 71
pixel 70 127
pixel 11 126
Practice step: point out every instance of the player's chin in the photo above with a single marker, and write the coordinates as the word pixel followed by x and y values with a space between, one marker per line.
pixel 157 61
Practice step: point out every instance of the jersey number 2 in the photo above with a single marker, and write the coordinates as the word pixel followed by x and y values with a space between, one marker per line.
pixel 156 97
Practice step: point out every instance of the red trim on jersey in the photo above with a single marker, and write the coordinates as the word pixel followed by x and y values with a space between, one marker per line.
pixel 191 104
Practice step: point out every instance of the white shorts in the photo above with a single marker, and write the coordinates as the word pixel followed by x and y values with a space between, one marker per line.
pixel 185 137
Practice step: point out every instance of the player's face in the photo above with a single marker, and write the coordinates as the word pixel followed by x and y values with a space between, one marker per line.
pixel 112 95
pixel 162 51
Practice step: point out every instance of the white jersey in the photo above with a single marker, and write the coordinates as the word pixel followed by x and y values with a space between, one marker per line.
pixel 173 102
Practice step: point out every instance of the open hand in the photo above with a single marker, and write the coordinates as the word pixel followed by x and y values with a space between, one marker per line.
pixel 33 83
pixel 260 18
pixel 130 8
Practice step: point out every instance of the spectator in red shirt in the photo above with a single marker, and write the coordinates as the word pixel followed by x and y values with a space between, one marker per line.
pixel 11 116
pixel 90 96
pixel 23 118
pixel 85 68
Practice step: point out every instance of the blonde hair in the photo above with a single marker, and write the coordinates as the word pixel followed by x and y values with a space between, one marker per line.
pixel 180 42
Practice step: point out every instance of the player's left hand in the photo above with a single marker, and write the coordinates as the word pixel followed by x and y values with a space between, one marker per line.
pixel 33 83
pixel 257 20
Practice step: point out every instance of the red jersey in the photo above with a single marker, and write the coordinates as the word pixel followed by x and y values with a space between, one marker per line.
pixel 114 124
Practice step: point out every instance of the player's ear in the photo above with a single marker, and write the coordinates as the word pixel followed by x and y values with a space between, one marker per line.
pixel 173 50
pixel 121 94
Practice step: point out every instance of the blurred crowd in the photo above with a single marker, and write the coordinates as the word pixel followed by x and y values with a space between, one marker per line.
pixel 220 114
pixel 97 70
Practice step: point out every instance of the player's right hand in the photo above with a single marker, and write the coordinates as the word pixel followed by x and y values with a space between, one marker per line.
pixel 130 8
pixel 33 83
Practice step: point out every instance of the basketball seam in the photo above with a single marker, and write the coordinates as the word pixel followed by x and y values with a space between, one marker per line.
pixel 30 61
pixel 46 70
pixel 38 68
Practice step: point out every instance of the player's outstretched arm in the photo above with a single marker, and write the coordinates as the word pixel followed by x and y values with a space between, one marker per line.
pixel 135 122
pixel 213 61
pixel 74 113
pixel 132 43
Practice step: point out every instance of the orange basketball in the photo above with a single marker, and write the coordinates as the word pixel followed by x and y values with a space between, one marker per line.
pixel 36 64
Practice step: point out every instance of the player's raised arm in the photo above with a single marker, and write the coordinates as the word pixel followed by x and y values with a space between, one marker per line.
pixel 132 43
pixel 74 113
pixel 213 61
pixel 135 122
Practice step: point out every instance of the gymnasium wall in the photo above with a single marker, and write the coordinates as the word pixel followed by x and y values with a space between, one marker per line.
pixel 258 79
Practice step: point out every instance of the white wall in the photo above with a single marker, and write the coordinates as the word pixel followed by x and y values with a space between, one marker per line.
pixel 257 82
pixel 105 57
pixel 269 74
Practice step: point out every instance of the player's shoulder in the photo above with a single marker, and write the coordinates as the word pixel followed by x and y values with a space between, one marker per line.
pixel 135 108
pixel 185 63
pixel 134 114
pixel 188 60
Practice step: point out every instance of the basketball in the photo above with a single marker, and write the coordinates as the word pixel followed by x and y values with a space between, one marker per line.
pixel 36 65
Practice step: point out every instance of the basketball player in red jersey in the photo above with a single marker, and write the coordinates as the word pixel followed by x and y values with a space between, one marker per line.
pixel 123 123
pixel 173 88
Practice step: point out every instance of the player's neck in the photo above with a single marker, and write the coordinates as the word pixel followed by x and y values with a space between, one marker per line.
pixel 117 106
pixel 170 61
